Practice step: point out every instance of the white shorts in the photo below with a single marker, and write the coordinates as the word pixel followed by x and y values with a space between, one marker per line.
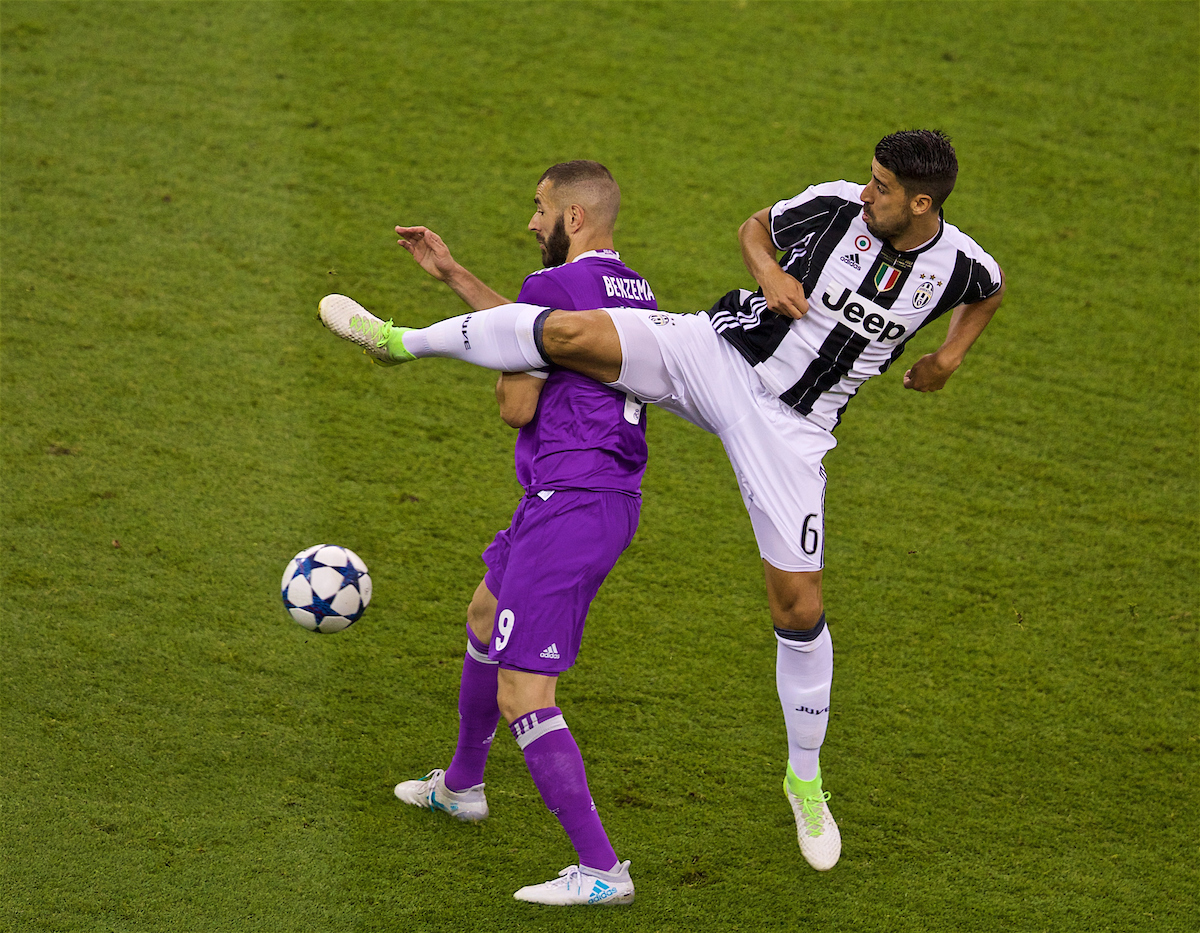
pixel 679 363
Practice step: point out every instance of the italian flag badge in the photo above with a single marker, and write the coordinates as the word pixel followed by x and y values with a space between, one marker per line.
pixel 886 277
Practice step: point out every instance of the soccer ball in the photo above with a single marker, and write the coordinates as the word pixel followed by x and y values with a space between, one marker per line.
pixel 326 588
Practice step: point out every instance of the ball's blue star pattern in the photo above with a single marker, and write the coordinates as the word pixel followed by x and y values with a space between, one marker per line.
pixel 322 608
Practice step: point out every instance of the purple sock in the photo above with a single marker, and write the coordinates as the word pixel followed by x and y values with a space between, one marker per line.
pixel 478 715
pixel 557 767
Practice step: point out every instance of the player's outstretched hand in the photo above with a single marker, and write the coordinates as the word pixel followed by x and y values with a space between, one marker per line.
pixel 785 295
pixel 928 374
pixel 429 250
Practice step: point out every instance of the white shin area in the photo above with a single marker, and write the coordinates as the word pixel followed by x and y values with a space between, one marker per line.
pixel 804 678
pixel 499 338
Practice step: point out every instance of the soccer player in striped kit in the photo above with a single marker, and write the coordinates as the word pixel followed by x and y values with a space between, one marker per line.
pixel 580 456
pixel 863 268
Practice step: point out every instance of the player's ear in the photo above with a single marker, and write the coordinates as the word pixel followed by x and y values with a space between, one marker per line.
pixel 921 204
pixel 575 216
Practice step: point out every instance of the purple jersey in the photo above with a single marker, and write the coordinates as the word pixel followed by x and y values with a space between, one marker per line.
pixel 584 435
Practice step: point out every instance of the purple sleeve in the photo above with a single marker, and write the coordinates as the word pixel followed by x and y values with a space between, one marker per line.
pixel 543 290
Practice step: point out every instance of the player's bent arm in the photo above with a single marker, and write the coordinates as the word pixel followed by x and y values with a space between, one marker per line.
pixel 474 292
pixel 784 294
pixel 517 395
pixel 932 371
pixel 433 255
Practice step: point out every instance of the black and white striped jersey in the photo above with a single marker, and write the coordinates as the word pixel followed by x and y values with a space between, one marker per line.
pixel 865 299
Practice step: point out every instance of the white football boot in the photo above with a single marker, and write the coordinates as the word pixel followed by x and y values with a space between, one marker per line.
pixel 820 841
pixel 380 340
pixel 578 885
pixel 432 793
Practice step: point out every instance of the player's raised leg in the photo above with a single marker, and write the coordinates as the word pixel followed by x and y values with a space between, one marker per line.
pixel 803 678
pixel 585 342
pixel 506 338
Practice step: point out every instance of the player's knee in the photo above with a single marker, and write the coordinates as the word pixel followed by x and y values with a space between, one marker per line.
pixel 509 707
pixel 572 335
pixel 800 616
pixel 481 614
pixel 477 611
pixel 584 341
pixel 563 334
pixel 512 701
pixel 519 693
pixel 794 598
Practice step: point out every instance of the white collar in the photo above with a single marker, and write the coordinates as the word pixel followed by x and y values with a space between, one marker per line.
pixel 598 254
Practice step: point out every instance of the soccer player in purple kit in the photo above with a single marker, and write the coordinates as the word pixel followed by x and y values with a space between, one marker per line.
pixel 770 372
pixel 580 456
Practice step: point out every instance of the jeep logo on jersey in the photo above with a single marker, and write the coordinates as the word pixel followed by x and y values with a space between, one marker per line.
pixel 865 318
pixel 922 295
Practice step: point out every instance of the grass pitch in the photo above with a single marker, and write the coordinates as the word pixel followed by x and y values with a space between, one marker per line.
pixel 1012 565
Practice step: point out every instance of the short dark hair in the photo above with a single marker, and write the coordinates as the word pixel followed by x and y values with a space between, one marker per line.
pixel 922 160
pixel 591 181
pixel 565 174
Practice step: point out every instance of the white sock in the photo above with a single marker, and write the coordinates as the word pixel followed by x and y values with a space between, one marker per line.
pixel 803 677
pixel 499 338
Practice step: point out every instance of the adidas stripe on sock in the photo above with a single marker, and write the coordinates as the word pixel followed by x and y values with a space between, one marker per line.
pixel 556 767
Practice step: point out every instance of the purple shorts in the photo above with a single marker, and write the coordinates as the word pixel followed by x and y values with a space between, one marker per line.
pixel 546 568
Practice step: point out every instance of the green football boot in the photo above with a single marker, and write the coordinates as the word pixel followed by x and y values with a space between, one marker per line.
pixel 380 340
pixel 820 840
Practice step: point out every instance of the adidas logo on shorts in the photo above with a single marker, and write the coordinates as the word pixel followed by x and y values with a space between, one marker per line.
pixel 551 653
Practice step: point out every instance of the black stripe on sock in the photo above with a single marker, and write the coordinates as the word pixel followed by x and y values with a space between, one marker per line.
pixel 807 635
pixel 538 326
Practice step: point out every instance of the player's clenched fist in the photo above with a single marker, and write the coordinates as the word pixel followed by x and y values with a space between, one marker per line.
pixel 785 295
pixel 928 374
